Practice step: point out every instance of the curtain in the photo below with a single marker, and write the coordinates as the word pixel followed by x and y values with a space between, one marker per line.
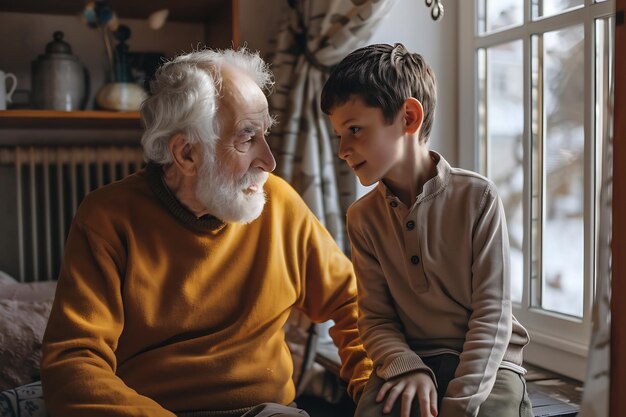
pixel 316 35
pixel 595 401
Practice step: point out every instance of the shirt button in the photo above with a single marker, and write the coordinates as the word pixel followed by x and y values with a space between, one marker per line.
pixel 410 225
pixel 393 204
pixel 415 260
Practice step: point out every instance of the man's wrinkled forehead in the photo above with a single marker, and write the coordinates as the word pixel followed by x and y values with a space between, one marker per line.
pixel 254 120
pixel 242 102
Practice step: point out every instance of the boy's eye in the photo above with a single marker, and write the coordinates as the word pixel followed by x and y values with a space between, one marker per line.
pixel 354 129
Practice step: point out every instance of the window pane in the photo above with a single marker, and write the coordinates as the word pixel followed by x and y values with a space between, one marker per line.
pixel 504 97
pixel 542 8
pixel 498 14
pixel 563 171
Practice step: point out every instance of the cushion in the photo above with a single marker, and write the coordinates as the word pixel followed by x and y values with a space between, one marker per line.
pixel 23 401
pixel 22 324
pixel 24 311
pixel 4 277
pixel 31 291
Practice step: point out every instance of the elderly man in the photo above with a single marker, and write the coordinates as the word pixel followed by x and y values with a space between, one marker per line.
pixel 177 280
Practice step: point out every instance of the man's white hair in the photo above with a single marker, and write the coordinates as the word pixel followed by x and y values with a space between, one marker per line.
pixel 185 95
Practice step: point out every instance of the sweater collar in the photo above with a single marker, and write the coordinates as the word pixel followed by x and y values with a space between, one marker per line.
pixel 206 223
pixel 431 188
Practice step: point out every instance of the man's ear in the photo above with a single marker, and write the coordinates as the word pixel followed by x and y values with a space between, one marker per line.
pixel 413 115
pixel 184 156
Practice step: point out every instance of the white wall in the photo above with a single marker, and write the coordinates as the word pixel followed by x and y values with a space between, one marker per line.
pixel 259 21
pixel 409 22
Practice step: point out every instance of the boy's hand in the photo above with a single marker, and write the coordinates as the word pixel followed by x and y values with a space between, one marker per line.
pixel 409 385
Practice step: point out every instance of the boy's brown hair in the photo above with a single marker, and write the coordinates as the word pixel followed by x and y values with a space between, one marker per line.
pixel 384 76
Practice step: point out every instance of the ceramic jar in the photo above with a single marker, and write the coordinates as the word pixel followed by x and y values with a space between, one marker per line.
pixel 59 80
pixel 124 96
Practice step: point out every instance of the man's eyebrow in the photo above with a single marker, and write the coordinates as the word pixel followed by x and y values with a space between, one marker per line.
pixel 246 130
pixel 247 126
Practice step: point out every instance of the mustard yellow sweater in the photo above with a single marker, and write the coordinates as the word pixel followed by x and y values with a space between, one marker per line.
pixel 157 310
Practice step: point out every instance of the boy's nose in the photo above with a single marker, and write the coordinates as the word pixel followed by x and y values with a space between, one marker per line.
pixel 344 149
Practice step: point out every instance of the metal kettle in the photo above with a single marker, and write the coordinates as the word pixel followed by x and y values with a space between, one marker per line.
pixel 59 80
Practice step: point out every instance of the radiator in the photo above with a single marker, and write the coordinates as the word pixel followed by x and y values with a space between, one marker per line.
pixel 42 188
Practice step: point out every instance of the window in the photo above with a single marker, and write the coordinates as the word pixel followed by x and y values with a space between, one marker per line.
pixel 536 79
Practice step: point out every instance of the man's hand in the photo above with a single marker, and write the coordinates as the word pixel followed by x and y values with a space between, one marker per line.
pixel 409 385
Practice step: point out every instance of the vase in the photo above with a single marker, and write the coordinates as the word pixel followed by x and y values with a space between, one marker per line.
pixel 120 96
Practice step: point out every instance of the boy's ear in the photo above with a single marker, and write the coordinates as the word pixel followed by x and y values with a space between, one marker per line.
pixel 184 155
pixel 413 115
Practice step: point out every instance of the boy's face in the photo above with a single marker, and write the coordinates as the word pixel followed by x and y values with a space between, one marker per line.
pixel 369 145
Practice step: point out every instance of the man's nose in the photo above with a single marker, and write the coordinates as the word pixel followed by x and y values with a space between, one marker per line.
pixel 265 160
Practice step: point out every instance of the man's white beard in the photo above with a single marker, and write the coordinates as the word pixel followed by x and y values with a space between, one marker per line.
pixel 224 196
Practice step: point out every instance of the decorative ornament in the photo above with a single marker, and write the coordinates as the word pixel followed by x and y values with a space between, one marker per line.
pixel 436 7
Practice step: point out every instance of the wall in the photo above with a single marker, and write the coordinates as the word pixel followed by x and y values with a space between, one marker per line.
pixel 259 21
pixel 409 22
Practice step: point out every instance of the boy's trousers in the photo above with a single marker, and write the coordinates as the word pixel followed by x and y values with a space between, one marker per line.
pixel 508 397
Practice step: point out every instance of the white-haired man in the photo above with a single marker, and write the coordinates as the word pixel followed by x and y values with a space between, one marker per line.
pixel 177 281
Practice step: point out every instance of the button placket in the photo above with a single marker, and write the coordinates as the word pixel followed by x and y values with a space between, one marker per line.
pixel 416 276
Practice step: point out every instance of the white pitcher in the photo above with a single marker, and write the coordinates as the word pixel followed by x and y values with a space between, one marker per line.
pixel 5 96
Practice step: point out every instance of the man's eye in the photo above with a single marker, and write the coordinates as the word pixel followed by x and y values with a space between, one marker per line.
pixel 244 144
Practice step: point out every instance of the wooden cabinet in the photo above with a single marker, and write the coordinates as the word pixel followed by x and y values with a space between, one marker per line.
pixel 208 22
pixel 219 16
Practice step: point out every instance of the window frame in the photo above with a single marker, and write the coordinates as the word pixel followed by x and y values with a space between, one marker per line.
pixel 558 342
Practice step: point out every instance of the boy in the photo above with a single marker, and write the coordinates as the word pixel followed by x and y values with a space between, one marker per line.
pixel 430 249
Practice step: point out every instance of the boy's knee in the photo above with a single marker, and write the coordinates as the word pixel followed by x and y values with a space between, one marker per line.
pixel 508 398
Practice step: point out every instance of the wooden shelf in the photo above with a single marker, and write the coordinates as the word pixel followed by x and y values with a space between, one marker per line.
pixel 181 11
pixel 48 119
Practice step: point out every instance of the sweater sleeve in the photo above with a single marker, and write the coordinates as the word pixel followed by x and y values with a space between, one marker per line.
pixel 489 327
pixel 78 368
pixel 379 325
pixel 330 294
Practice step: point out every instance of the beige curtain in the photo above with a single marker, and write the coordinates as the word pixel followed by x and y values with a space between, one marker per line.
pixel 316 35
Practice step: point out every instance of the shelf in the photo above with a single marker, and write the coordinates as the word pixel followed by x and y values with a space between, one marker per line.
pixel 180 11
pixel 48 119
